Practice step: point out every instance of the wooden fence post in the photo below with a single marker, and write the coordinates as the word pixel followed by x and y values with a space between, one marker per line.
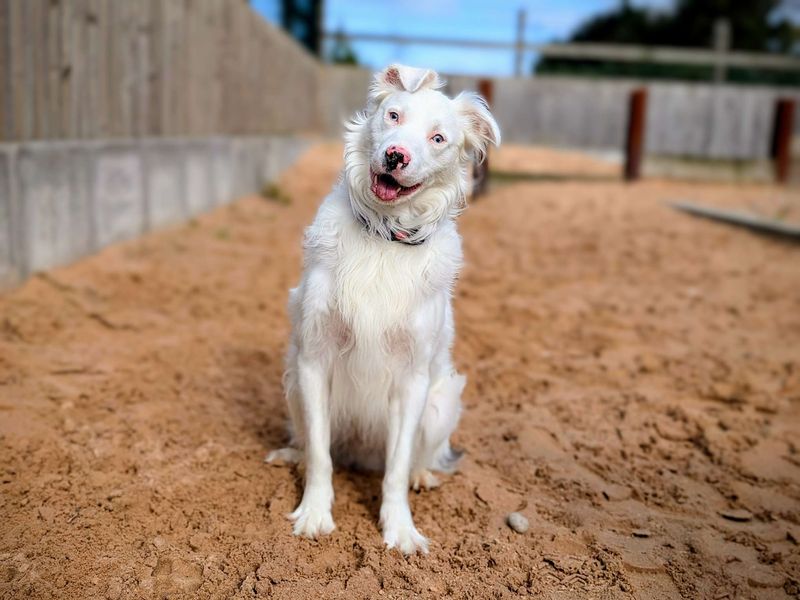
pixel 634 143
pixel 480 172
pixel 486 89
pixel 782 138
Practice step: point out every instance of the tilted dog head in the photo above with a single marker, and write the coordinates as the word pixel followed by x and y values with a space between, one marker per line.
pixel 406 155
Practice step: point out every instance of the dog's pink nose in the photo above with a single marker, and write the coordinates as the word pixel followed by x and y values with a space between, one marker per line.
pixel 397 155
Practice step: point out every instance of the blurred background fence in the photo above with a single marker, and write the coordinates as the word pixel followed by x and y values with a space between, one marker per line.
pixel 98 69
pixel 684 119
pixel 83 69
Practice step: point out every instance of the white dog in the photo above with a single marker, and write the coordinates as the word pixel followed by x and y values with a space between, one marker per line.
pixel 369 378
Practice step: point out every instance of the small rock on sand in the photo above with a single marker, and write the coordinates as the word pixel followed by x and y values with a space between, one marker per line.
pixel 517 522
pixel 740 515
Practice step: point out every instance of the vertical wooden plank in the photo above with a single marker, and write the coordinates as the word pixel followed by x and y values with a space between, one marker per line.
pixel 145 70
pixel 194 51
pixel 54 69
pixel 206 78
pixel 233 63
pixel 187 101
pixel 6 125
pixel 217 39
pixel 165 66
pixel 138 65
pixel 65 69
pixel 129 65
pixel 763 121
pixel 183 97
pixel 93 80
pixel 176 78
pixel 104 66
pixel 113 34
pixel 155 106
pixel 224 74
pixel 243 69
pixel 81 81
pixel 36 31
pixel 47 29
pixel 169 76
pixel 77 51
pixel 250 73
pixel 126 65
pixel 209 83
pixel 24 73
pixel 265 53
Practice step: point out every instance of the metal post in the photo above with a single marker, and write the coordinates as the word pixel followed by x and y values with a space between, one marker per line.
pixel 634 145
pixel 721 44
pixel 520 46
pixel 782 138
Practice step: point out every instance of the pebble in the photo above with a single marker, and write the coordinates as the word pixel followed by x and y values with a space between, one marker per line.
pixel 641 533
pixel 517 522
pixel 740 515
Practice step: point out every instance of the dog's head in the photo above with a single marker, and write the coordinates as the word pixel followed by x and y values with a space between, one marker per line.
pixel 409 150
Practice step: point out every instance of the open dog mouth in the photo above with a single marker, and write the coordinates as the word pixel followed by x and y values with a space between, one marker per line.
pixel 386 187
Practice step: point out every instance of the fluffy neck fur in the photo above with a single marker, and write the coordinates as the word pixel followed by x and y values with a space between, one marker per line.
pixel 442 198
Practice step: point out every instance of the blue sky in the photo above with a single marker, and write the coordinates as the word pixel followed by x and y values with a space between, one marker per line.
pixel 547 21
pixel 551 20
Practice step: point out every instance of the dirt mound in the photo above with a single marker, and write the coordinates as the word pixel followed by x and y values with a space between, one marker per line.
pixel 634 391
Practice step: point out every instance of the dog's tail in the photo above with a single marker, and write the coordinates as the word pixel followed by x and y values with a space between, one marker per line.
pixel 446 458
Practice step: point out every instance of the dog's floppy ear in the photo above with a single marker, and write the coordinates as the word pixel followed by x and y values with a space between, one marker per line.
pixel 480 128
pixel 402 78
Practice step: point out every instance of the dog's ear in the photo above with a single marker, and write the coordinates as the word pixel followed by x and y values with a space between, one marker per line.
pixel 480 128
pixel 402 78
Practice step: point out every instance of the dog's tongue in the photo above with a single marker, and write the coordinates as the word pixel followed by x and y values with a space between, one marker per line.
pixel 385 190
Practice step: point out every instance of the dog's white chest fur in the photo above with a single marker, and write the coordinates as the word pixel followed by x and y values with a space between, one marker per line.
pixel 377 305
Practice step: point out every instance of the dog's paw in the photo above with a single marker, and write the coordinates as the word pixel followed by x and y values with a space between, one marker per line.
pixel 423 478
pixel 290 456
pixel 312 521
pixel 399 531
pixel 405 538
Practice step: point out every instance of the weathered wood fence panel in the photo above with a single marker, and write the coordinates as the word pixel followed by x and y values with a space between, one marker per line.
pixel 683 119
pixel 132 68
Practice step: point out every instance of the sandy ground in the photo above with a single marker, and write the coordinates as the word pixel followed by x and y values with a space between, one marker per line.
pixel 546 162
pixel 634 390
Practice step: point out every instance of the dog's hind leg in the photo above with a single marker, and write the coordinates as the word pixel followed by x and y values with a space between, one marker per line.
pixel 438 423
pixel 293 453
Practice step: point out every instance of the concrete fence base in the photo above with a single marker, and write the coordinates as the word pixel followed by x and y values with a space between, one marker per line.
pixel 62 200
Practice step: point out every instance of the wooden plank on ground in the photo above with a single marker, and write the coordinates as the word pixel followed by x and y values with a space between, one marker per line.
pixel 740 219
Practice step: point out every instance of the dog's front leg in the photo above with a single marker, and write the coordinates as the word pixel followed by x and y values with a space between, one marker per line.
pixel 405 412
pixel 313 516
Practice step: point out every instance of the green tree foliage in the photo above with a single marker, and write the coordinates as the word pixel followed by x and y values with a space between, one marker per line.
pixel 342 52
pixel 753 23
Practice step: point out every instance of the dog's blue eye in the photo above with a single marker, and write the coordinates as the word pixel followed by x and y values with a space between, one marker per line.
pixel 394 116
pixel 438 138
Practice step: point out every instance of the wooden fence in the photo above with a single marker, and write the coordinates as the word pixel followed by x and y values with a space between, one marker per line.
pixel 130 68
pixel 683 119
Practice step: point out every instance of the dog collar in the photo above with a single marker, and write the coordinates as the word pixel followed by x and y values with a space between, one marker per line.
pixel 394 236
